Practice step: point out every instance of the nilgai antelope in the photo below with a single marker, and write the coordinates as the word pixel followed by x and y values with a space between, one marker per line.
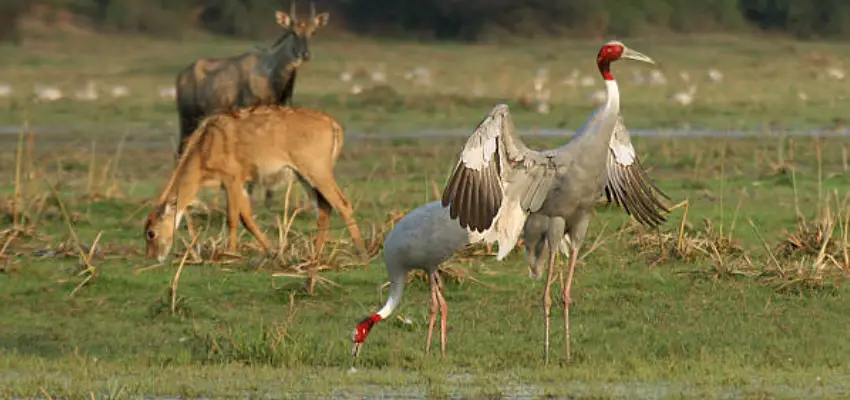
pixel 257 77
pixel 260 143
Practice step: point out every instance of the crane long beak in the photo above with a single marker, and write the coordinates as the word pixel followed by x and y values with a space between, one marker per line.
pixel 637 56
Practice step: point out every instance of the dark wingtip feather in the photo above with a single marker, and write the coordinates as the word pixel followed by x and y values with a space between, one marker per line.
pixel 631 188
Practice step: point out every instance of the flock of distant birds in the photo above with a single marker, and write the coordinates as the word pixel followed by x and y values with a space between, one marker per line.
pixel 422 76
pixel 89 92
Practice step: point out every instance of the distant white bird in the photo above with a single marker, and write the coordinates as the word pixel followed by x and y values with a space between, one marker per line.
pixel 685 76
pixel 715 76
pixel 685 98
pixel 638 78
pixel 802 95
pixel 541 98
pixel 47 93
pixel 598 96
pixel 119 91
pixel 835 73
pixel 572 79
pixel 656 77
pixel 423 239
pixel 346 76
pixel 167 92
pixel 379 74
pixel 421 76
pixel 356 89
pixel 88 93
pixel 5 90
pixel 541 79
pixel 477 87
pixel 587 81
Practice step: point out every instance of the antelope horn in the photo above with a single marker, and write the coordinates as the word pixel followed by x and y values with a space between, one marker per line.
pixel 312 10
pixel 292 9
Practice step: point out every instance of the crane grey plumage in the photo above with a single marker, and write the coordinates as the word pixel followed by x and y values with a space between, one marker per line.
pixel 501 188
pixel 423 239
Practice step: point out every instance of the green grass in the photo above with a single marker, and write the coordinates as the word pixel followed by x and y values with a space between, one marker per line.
pixel 643 325
pixel 647 322
pixel 760 90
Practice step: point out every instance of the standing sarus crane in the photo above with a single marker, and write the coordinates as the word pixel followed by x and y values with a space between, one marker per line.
pixel 500 187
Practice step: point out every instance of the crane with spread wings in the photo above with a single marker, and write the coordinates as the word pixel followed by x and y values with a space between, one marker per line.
pixel 500 188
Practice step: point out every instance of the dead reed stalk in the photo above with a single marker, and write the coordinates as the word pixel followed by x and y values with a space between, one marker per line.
pixel 16 200
pixel 176 280
pixel 90 269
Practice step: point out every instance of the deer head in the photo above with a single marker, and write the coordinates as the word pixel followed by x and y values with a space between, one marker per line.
pixel 300 31
pixel 159 230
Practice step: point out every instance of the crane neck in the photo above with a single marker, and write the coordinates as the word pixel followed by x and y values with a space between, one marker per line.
pixel 396 291
pixel 605 69
pixel 612 103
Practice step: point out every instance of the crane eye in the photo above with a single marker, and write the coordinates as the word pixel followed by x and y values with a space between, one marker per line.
pixel 151 234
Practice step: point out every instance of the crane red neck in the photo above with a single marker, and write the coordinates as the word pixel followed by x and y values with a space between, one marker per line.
pixel 605 70
pixel 608 54
pixel 363 328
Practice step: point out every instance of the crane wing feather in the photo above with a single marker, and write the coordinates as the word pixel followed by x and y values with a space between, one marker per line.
pixel 497 182
pixel 628 184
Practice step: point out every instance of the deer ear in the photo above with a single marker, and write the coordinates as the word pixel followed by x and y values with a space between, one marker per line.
pixel 321 20
pixel 171 206
pixel 283 19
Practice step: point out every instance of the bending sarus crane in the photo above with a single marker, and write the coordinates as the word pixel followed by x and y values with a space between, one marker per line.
pixel 500 187
pixel 423 239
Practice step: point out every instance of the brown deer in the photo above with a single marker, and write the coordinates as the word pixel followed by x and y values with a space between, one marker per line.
pixel 261 143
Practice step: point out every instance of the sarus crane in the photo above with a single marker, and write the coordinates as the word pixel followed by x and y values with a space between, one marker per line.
pixel 500 188
pixel 423 239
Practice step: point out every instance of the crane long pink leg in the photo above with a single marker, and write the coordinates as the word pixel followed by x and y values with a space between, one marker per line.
pixel 547 303
pixel 566 294
pixel 444 311
pixel 434 308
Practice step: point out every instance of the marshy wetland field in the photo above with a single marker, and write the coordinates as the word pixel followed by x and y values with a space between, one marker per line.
pixel 739 295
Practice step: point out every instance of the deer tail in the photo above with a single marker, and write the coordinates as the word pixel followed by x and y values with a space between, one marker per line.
pixel 339 136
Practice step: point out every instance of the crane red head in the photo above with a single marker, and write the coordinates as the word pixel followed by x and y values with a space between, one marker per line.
pixel 613 51
pixel 361 331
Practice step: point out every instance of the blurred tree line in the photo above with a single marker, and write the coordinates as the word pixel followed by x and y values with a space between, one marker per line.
pixel 468 20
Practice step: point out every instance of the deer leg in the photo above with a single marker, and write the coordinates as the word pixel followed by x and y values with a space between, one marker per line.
pixel 248 221
pixel 323 208
pixel 189 224
pixel 269 200
pixel 328 189
pixel 233 206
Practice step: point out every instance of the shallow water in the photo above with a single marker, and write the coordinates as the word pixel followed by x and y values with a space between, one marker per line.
pixel 464 385
pixel 576 389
